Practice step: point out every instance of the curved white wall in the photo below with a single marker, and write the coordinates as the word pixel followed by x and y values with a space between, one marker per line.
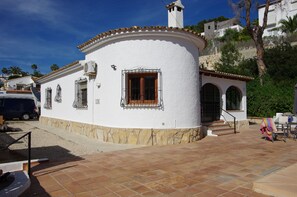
pixel 178 61
pixel 177 58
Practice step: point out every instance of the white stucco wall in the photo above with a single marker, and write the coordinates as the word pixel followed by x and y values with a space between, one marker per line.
pixel 65 110
pixel 176 58
pixel 277 12
pixel 178 62
pixel 223 84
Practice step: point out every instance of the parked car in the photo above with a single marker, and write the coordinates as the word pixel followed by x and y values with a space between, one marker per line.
pixel 18 106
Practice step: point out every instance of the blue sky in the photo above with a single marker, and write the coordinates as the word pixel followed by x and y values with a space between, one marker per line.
pixel 46 32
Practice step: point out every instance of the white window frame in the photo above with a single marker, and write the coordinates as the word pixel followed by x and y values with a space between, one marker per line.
pixel 78 100
pixel 125 90
pixel 48 98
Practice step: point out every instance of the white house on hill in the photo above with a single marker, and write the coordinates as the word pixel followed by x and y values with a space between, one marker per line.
pixel 141 85
pixel 278 10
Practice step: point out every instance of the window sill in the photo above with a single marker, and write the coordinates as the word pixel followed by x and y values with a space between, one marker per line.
pixel 142 106
pixel 82 108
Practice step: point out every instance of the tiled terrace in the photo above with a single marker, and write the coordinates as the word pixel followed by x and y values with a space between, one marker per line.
pixel 215 166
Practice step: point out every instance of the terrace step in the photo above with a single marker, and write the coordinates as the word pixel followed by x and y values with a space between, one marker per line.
pixel 219 128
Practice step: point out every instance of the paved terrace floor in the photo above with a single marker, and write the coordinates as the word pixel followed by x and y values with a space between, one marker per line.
pixel 215 166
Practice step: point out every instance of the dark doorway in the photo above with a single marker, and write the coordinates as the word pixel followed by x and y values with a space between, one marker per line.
pixel 210 103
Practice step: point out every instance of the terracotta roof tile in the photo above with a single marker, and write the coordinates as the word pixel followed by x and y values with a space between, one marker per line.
pixel 225 75
pixel 136 28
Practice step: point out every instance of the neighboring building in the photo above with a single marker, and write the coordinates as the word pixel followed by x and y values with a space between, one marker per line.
pixel 21 83
pixel 24 85
pixel 3 80
pixel 278 10
pixel 215 29
pixel 141 85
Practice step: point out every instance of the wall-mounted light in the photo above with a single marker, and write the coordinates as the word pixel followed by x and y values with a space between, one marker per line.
pixel 114 67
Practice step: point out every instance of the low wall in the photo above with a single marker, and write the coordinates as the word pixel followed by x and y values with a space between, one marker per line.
pixel 127 135
pixel 240 124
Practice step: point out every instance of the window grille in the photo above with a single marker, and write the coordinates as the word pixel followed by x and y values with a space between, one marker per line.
pixel 48 98
pixel 142 88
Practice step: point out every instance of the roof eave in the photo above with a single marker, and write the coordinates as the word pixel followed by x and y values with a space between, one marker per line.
pixel 69 68
pixel 136 29
pixel 226 75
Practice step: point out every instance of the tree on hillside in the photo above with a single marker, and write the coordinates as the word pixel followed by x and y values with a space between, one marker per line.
pixel 256 31
pixel 54 67
pixel 235 35
pixel 15 70
pixel 5 71
pixel 282 62
pixel 36 73
pixel 289 26
pixel 230 57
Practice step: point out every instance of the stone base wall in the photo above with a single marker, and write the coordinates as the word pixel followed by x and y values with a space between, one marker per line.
pixel 241 124
pixel 127 135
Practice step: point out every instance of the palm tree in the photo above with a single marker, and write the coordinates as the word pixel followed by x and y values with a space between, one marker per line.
pixel 289 25
pixel 34 67
pixel 54 67
pixel 5 71
pixel 15 70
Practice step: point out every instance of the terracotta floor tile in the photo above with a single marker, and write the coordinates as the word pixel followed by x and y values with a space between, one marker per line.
pixel 205 194
pixel 115 187
pixel 192 190
pixel 233 194
pixel 101 191
pixel 208 167
pixel 46 180
pixel 140 189
pixel 126 193
pixel 60 193
pixel 131 184
pixel 110 195
pixel 179 185
pixel 52 188
pixel 217 191
pixel 85 194
pixel 152 194
pixel 243 191
pixel 75 187
pixel 62 178
pixel 164 189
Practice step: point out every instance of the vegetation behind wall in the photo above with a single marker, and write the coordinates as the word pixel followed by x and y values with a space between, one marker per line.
pixel 277 92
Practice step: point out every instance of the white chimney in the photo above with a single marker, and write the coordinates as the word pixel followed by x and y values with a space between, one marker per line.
pixel 175 14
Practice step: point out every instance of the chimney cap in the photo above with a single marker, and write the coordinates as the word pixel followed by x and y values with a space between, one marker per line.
pixel 177 3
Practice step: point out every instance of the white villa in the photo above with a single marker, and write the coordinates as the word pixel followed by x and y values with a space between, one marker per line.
pixel 21 83
pixel 215 29
pixel 142 85
pixel 278 10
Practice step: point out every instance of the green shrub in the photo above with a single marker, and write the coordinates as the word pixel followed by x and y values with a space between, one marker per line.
pixel 272 97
